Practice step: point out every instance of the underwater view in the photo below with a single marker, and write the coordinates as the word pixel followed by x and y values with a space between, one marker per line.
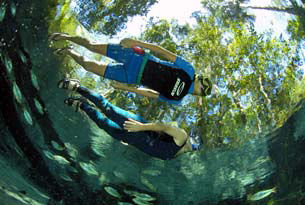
pixel 144 102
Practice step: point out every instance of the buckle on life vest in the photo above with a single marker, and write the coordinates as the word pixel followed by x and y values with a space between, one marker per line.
pixel 138 50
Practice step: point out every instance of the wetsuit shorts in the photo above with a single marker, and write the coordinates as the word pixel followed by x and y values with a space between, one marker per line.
pixel 127 64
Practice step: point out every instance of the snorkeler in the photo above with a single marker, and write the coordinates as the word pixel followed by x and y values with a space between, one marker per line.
pixel 155 139
pixel 168 80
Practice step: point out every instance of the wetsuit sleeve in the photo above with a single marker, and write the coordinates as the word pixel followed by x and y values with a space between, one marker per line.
pixel 185 65
pixel 164 99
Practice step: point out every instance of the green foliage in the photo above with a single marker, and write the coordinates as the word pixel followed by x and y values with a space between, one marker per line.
pixel 166 34
pixel 296 28
pixel 205 44
pixel 236 11
pixel 247 65
pixel 109 17
pixel 88 82
pixel 227 11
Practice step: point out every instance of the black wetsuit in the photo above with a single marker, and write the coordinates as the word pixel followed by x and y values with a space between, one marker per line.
pixel 172 83
pixel 156 144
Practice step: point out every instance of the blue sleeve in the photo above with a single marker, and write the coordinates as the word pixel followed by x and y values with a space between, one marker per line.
pixel 164 99
pixel 186 66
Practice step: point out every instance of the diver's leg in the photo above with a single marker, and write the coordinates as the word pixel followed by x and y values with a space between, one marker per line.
pixel 137 139
pixel 116 114
pixel 102 122
pixel 89 65
pixel 92 46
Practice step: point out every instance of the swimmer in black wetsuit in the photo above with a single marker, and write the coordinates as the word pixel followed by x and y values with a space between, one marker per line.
pixel 155 139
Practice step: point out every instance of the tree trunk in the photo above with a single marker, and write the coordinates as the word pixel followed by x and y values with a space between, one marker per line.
pixel 289 10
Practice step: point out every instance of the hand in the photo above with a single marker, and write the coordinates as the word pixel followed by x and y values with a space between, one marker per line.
pixel 58 36
pixel 128 43
pixel 133 125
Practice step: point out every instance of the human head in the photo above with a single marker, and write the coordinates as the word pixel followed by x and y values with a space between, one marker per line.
pixel 203 86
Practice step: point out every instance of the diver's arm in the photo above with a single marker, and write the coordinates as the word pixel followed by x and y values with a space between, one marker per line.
pixel 129 43
pixel 141 91
pixel 177 133
pixel 146 92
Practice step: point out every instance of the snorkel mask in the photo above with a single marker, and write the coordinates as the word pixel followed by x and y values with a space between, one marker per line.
pixel 206 85
pixel 195 141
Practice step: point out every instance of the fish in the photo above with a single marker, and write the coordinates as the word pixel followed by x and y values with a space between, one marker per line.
pixel 61 160
pixel 13 9
pixel 35 81
pixel 88 168
pixel 113 192
pixel 261 194
pixel 140 196
pixel 2 11
pixel 39 107
pixel 28 117
pixel 57 146
pixel 17 93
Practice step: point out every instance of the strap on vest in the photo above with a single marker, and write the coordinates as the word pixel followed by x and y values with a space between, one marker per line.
pixel 142 69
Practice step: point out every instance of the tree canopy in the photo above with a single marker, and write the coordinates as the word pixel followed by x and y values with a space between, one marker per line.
pixel 109 17
pixel 229 11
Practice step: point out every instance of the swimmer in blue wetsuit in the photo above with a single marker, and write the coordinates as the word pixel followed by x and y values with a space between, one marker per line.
pixel 155 139
pixel 167 80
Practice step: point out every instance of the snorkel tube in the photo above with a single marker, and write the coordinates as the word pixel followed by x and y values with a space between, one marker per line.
pixel 195 141
pixel 207 85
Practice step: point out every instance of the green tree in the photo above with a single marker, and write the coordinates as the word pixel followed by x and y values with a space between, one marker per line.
pixel 227 11
pixel 296 28
pixel 290 7
pixel 169 35
pixel 109 17
pixel 253 70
